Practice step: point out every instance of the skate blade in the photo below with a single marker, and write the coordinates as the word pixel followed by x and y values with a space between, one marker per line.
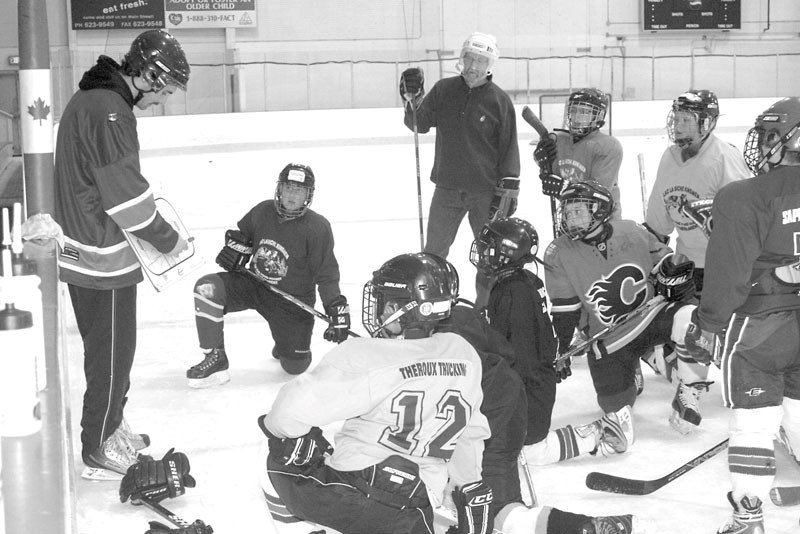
pixel 681 425
pixel 217 379
pixel 97 473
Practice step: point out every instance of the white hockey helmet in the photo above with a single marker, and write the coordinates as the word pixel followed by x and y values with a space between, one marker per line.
pixel 775 138
pixel 481 44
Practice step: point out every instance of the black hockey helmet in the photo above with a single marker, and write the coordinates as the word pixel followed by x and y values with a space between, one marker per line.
pixel 583 208
pixel 294 175
pixel 157 56
pixel 585 111
pixel 415 290
pixel 703 106
pixel 504 244
pixel 776 134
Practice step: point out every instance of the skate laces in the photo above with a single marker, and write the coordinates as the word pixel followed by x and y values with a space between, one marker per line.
pixel 616 431
pixel 689 394
pixel 211 359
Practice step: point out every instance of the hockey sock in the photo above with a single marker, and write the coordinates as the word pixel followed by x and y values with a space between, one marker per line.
pixel 561 522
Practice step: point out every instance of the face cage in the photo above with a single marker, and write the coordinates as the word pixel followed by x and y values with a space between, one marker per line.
pixel 582 118
pixel 578 217
pixel 491 258
pixel 757 137
pixel 299 212
pixel 703 125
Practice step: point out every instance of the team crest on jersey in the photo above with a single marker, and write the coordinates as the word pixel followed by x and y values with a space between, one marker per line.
pixel 619 293
pixel 271 260
pixel 674 198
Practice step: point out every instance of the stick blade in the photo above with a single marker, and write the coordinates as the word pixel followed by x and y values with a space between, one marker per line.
pixel 785 496
pixel 614 484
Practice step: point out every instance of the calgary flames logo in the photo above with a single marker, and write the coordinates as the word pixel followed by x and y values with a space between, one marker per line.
pixel 619 293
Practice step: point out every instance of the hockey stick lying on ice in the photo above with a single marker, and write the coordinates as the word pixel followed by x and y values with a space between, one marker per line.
pixel 291 298
pixel 199 526
pixel 631 486
pixel 645 308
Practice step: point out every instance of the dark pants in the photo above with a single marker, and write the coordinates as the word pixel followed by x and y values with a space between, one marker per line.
pixel 448 208
pixel 325 496
pixel 107 323
pixel 290 326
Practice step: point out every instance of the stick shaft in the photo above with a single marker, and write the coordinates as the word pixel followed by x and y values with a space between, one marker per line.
pixel 166 514
pixel 419 180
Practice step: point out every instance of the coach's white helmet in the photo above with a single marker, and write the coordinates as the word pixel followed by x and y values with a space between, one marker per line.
pixel 480 44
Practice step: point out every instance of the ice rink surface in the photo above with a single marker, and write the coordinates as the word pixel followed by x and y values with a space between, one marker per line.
pixel 366 187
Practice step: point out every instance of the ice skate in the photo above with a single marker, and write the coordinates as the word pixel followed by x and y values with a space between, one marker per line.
pixel 748 517
pixel 638 378
pixel 110 460
pixel 686 406
pixel 212 371
pixel 613 432
pixel 614 524
pixel 137 441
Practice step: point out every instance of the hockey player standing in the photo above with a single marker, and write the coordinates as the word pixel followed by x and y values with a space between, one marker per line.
pixel 99 193
pixel 598 272
pixel 517 310
pixel 695 167
pixel 581 151
pixel 751 301
pixel 476 164
pixel 287 245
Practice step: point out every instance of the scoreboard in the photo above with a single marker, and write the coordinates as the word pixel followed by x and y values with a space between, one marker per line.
pixel 689 15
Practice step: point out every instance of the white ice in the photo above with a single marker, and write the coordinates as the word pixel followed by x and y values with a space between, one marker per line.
pixel 213 168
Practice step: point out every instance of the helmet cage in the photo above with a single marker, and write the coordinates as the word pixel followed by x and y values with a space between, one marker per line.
pixel 423 294
pixel 760 136
pixel 703 106
pixel 480 44
pixel 584 207
pixel 294 175
pixel 585 112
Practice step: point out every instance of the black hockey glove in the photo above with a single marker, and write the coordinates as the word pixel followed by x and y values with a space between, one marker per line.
pixel 472 504
pixel 674 282
pixel 504 202
pixel 552 184
pixel 701 344
pixel 157 479
pixel 308 449
pixel 412 86
pixel 562 368
pixel 236 252
pixel 198 527
pixel 339 312
pixel 546 153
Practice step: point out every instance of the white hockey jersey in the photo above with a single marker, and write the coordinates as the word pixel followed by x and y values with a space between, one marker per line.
pixel 417 398
pixel 698 178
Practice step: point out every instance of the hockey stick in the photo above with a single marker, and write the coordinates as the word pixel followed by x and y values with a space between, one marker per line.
pixel 699 212
pixel 409 99
pixel 643 183
pixel 531 118
pixel 199 526
pixel 785 496
pixel 645 308
pixel 291 298
pixel 630 486
pixel 529 479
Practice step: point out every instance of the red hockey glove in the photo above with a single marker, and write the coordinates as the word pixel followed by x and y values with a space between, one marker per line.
pixel 339 312
pixel 701 345
pixel 552 185
pixel 157 479
pixel 546 153
pixel 674 281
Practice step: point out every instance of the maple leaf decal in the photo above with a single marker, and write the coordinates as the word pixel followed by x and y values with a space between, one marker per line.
pixel 38 110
